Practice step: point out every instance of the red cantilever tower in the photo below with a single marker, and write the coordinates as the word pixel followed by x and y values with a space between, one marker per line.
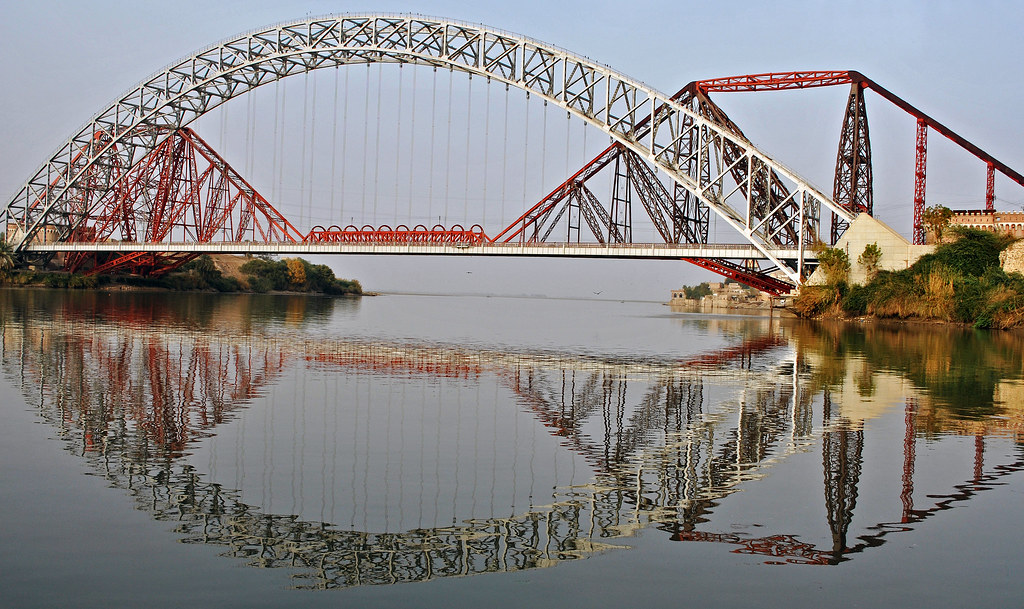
pixel 853 180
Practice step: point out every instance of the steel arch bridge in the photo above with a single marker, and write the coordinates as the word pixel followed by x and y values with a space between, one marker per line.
pixel 712 165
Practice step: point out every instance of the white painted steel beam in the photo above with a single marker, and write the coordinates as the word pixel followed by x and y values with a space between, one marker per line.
pixel 565 250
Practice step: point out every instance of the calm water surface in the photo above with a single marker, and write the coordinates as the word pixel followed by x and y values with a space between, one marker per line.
pixel 162 450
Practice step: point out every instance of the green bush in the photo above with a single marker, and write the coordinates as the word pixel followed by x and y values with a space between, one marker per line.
pixel 225 284
pixel 265 275
pixel 974 251
pixel 856 300
pixel 971 298
pixel 81 282
pixel 260 285
pixel 56 280
pixel 341 287
pixel 274 272
pixel 961 281
pixel 818 300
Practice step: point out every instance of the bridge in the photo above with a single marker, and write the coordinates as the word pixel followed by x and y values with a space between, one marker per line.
pixel 138 189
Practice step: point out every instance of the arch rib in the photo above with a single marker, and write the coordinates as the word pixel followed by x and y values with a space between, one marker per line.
pixel 650 123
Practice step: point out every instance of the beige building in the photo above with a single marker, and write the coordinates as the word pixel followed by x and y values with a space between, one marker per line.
pixel 724 295
pixel 48 234
pixel 1006 222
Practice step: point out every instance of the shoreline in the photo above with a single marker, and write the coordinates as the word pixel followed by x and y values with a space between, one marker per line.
pixel 145 289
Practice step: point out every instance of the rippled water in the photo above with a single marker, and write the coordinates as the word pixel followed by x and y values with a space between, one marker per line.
pixel 439 451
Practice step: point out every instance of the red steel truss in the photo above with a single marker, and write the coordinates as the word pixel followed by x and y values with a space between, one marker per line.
pixel 182 191
pixel 858 197
pixel 776 81
pixel 990 188
pixel 753 277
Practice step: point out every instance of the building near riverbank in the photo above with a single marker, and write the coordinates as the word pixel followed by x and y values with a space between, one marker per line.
pixel 724 295
pixel 1001 222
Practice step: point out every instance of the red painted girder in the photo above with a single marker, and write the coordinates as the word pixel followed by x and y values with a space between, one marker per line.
pixel 116 262
pixel 760 281
pixel 990 188
pixel 776 81
pixel 936 125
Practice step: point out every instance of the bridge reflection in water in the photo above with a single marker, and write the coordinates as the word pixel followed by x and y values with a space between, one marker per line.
pixel 146 394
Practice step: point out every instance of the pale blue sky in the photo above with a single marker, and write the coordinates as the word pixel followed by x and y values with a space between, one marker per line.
pixel 958 61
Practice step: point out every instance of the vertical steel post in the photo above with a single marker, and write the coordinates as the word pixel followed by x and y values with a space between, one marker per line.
pixel 990 188
pixel 919 180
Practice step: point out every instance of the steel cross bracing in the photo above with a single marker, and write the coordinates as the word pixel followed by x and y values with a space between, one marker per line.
pixel 604 98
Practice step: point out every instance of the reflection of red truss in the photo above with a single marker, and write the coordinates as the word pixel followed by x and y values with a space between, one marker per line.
pixel 172 396
pixel 181 191
pixel 743 351
pixel 400 235
pixel 784 547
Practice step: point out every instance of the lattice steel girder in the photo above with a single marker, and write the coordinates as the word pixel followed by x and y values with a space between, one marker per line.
pixel 852 188
pixel 609 100
pixel 754 278
pixel 588 206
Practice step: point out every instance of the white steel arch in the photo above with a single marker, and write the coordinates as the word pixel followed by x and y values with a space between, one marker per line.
pixel 649 122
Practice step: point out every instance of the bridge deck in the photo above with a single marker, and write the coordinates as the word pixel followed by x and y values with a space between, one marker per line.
pixel 568 250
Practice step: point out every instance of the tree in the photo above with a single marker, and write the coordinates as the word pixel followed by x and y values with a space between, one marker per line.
pixel 698 291
pixel 296 271
pixel 835 263
pixel 936 219
pixel 869 259
pixel 6 258
pixel 204 267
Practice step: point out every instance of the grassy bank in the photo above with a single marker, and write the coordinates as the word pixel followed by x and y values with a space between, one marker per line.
pixel 258 275
pixel 962 282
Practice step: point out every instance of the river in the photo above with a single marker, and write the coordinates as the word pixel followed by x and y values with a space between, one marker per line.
pixel 263 451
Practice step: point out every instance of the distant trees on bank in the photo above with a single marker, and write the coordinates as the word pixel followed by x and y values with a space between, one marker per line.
pixel 696 292
pixel 260 275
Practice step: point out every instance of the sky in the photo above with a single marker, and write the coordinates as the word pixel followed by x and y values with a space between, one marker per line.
pixel 957 61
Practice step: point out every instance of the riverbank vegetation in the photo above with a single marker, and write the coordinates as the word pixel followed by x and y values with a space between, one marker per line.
pixel 203 274
pixel 961 282
pixel 296 275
